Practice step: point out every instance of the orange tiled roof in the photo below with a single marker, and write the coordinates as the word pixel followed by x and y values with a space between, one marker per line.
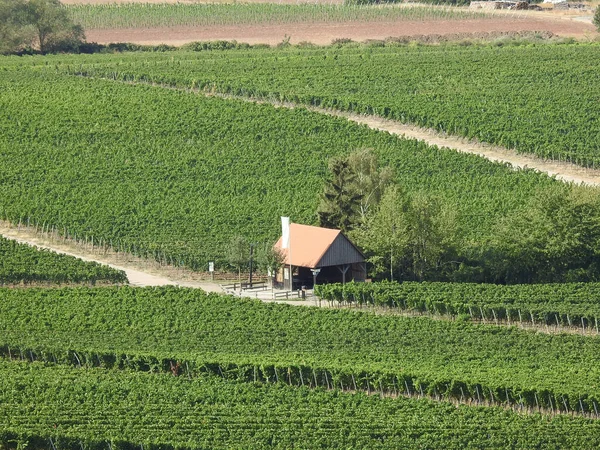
pixel 308 244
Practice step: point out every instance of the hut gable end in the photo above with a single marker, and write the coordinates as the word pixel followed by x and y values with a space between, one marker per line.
pixel 340 252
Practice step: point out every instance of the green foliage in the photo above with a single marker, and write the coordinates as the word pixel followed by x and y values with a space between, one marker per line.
pixel 12 25
pixel 384 234
pixel 565 304
pixel 238 253
pixel 340 200
pixel 96 409
pixel 596 19
pixel 371 181
pixel 167 175
pixel 535 99
pixel 20 263
pixel 246 340
pixel 555 237
pixel 44 24
pixel 354 188
pixel 269 258
pixel 148 15
pixel 54 30
pixel 411 237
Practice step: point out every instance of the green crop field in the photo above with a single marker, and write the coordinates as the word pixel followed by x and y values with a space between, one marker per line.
pixel 246 340
pixel 45 406
pixel 142 15
pixel 23 264
pixel 538 99
pixel 564 304
pixel 126 151
pixel 173 175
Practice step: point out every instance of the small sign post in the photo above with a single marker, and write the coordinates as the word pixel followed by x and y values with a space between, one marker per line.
pixel 211 269
pixel 315 272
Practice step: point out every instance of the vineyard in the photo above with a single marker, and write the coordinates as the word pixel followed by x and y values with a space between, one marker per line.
pixel 125 153
pixel 134 410
pixel 538 99
pixel 173 176
pixel 191 333
pixel 565 304
pixel 142 15
pixel 23 264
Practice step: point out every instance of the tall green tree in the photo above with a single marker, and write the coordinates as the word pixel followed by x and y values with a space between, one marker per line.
pixel 53 28
pixel 354 188
pixel 238 254
pixel 556 237
pixel 384 234
pixel 340 200
pixel 596 19
pixel 269 258
pixel 41 24
pixel 431 236
pixel 370 180
pixel 409 237
pixel 13 26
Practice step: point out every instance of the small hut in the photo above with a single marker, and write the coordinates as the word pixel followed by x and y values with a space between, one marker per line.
pixel 308 250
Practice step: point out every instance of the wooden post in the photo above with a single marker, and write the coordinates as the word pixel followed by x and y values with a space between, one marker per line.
pixel 344 268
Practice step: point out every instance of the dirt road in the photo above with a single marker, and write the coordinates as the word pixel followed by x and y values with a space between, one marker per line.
pixel 139 272
pixel 561 170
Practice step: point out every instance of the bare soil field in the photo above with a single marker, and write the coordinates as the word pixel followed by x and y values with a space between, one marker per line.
pixel 324 33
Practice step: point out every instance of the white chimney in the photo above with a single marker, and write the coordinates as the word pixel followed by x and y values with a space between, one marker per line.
pixel 285 232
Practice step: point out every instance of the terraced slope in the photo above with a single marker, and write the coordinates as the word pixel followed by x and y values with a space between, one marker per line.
pixel 537 99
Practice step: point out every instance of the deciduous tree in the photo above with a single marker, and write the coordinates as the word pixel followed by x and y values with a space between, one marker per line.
pixel 370 180
pixel 41 24
pixel 238 254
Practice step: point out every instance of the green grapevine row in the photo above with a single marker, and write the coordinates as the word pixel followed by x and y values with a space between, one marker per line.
pixel 21 263
pixel 153 329
pixel 147 15
pixel 566 304
pixel 56 407
pixel 540 99
pixel 173 176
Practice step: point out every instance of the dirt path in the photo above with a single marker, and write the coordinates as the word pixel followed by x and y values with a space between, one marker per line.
pixel 143 273
pixel 564 171
pixel 561 170
pixel 140 273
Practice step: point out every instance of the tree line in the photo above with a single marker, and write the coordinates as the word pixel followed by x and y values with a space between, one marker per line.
pixel 416 236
